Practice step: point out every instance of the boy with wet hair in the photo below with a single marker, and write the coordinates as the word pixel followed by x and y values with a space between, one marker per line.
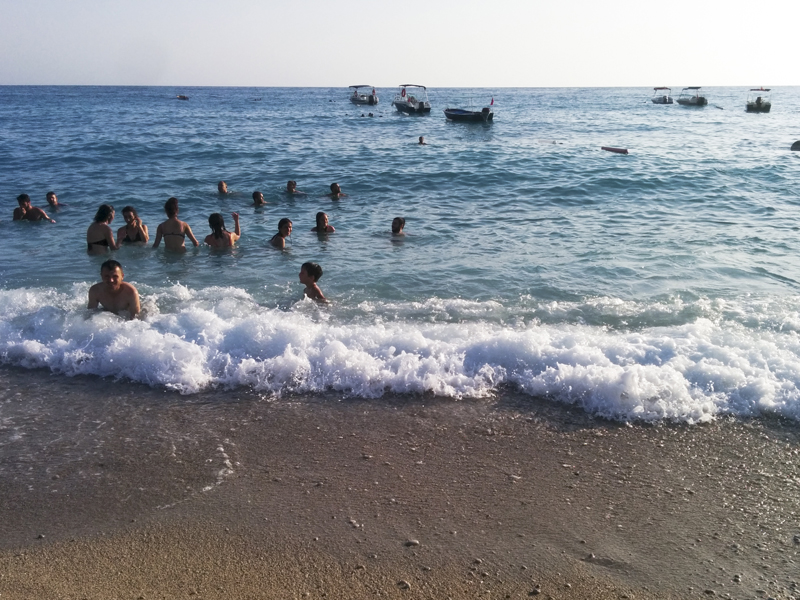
pixel 113 294
pixel 309 275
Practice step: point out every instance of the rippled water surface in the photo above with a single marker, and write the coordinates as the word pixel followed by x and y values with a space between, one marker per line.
pixel 658 284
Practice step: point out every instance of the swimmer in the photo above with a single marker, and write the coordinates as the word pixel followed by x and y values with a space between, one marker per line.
pixel 222 238
pixel 99 236
pixel 113 294
pixel 291 187
pixel 134 231
pixel 336 192
pixel 52 200
pixel 284 230
pixel 322 224
pixel 26 212
pixel 422 141
pixel 258 199
pixel 222 187
pixel 309 275
pixel 398 223
pixel 173 230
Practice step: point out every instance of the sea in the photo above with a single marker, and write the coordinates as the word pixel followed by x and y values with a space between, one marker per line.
pixel 662 285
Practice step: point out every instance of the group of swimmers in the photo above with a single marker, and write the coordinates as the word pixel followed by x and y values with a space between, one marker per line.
pixel 115 295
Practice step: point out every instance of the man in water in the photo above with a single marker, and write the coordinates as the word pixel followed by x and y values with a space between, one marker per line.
pixel 258 199
pixel 336 192
pixel 422 141
pixel 113 294
pixel 222 187
pixel 26 212
pixel 52 200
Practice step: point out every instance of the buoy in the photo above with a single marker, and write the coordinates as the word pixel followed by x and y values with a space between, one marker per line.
pixel 617 150
pixel 796 145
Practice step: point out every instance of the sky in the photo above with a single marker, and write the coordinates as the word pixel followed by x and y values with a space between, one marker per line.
pixel 438 43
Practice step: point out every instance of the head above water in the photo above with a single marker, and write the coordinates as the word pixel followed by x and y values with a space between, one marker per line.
pixel 23 199
pixel 104 214
pixel 217 224
pixel 222 187
pixel 129 210
pixel 171 207
pixel 421 140
pixel 335 189
pixel 285 227
pixel 322 221
pixel 111 273
pixel 397 224
pixel 52 199
pixel 291 186
pixel 258 197
pixel 313 270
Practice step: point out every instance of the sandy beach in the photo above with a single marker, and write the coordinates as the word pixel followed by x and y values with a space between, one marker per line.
pixel 118 490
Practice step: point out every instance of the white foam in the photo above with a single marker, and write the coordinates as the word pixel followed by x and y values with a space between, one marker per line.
pixel 698 360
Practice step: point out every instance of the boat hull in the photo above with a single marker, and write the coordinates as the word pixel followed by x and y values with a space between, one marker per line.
pixel 468 116
pixel 693 101
pixel 758 108
pixel 364 100
pixel 662 100
pixel 410 109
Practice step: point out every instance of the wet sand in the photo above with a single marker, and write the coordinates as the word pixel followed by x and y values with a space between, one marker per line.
pixel 115 490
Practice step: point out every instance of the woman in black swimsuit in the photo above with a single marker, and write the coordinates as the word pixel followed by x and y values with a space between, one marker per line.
pixel 99 237
pixel 134 230
pixel 173 230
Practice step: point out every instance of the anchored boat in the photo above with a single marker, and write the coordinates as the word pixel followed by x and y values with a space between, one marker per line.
pixel 358 97
pixel 661 95
pixel 412 99
pixel 691 96
pixel 758 100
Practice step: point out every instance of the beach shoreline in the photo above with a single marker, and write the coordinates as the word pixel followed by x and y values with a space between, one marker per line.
pixel 115 489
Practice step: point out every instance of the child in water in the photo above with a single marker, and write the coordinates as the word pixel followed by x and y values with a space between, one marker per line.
pixel 309 275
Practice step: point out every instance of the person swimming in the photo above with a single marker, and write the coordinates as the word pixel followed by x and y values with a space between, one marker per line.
pixel 134 231
pixel 284 230
pixel 26 212
pixel 258 199
pixel 222 187
pixel 52 200
pixel 173 230
pixel 291 187
pixel 99 236
pixel 222 238
pixel 336 192
pixel 322 224
pixel 422 141
pixel 398 223
pixel 309 275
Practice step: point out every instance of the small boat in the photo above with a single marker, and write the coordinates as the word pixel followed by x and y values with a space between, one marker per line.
pixel 661 95
pixel 690 96
pixel 182 97
pixel 758 100
pixel 358 97
pixel 485 115
pixel 412 99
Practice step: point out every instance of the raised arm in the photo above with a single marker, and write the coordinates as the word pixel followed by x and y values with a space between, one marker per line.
pixel 237 230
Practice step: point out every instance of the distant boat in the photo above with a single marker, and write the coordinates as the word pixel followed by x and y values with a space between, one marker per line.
pixel 661 95
pixel 412 99
pixel 758 100
pixel 182 97
pixel 471 116
pixel 359 98
pixel 691 96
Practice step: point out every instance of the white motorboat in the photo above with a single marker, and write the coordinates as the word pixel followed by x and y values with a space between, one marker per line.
pixel 691 96
pixel 359 97
pixel 412 99
pixel 661 95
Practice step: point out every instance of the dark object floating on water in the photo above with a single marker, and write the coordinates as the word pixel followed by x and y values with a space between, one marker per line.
pixel 469 116
pixel 617 150
pixel 182 97
pixel 256 99
pixel 796 145
pixel 690 96
pixel 758 101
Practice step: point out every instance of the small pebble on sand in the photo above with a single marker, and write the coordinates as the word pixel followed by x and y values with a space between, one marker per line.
pixel 403 585
pixel 410 543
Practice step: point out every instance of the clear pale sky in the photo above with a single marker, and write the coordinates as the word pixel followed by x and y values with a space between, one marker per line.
pixel 439 43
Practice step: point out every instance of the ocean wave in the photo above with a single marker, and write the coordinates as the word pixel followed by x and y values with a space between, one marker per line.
pixel 684 360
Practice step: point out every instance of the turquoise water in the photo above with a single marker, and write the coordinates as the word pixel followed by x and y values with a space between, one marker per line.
pixel 658 285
